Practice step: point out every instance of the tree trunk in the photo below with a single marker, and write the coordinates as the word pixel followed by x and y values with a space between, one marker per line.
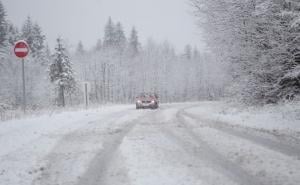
pixel 62 96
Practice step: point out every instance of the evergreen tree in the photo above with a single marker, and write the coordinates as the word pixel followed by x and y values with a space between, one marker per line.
pixel 61 72
pixel 188 52
pixel 3 24
pixel 256 39
pixel 120 39
pixel 80 49
pixel 47 55
pixel 109 34
pixel 13 34
pixel 98 45
pixel 38 41
pixel 33 35
pixel 133 43
pixel 289 82
pixel 27 33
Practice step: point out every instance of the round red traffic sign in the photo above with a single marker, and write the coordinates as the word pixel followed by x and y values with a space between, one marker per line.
pixel 21 49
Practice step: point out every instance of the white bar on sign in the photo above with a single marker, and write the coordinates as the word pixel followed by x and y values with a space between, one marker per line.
pixel 21 50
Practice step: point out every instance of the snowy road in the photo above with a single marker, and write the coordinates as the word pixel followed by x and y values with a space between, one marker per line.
pixel 120 145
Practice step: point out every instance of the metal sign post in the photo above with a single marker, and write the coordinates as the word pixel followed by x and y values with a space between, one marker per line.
pixel 24 87
pixel 21 50
pixel 86 95
pixel 86 90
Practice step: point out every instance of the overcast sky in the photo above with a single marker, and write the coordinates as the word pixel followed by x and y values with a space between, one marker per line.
pixel 85 19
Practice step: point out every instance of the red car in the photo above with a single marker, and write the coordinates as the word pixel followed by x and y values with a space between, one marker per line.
pixel 147 100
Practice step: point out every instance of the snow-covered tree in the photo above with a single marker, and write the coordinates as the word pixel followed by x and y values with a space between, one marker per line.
pixel 38 44
pixel 288 86
pixel 109 34
pixel 80 49
pixel 120 39
pixel 61 73
pixel 255 39
pixel 3 25
pixel 32 33
pixel 13 34
pixel 188 52
pixel 98 46
pixel 36 63
pixel 133 43
pixel 120 76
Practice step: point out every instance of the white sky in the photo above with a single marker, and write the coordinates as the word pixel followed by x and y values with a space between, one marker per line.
pixel 85 19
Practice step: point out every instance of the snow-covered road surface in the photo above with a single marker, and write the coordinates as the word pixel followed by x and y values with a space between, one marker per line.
pixel 174 145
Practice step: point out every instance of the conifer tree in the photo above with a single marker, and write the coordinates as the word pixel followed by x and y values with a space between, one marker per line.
pixel 188 52
pixel 98 45
pixel 61 72
pixel 3 25
pixel 80 49
pixel 13 34
pixel 33 35
pixel 120 39
pixel 133 42
pixel 288 86
pixel 257 39
pixel 109 34
pixel 38 40
pixel 27 33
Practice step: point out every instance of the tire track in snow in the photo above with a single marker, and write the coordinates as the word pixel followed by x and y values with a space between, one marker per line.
pixel 278 146
pixel 270 166
pixel 202 151
pixel 15 147
pixel 65 157
pixel 97 170
pixel 194 146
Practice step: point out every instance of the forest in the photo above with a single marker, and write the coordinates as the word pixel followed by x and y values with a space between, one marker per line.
pixel 260 42
pixel 251 58
pixel 117 68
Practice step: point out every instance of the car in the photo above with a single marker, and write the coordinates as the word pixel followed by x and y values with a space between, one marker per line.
pixel 147 100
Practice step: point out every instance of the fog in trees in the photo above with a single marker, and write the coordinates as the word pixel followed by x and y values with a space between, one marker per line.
pixel 251 57
pixel 118 68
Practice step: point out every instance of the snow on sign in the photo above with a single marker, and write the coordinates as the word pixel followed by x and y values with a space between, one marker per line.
pixel 21 49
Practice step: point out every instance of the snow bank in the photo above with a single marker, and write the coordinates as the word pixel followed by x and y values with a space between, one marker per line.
pixel 282 117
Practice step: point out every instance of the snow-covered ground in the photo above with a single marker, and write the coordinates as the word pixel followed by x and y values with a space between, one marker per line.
pixel 279 119
pixel 178 144
pixel 26 145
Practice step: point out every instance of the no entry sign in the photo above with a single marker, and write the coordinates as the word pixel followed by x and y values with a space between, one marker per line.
pixel 21 49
